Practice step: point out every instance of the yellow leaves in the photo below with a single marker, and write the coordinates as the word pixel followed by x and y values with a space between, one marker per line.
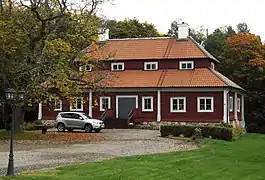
pixel 243 40
pixel 57 47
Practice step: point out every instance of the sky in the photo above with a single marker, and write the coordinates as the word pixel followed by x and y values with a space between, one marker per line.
pixel 210 14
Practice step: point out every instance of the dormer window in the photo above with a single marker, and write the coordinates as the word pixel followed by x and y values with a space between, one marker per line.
pixel 186 65
pixel 150 66
pixel 117 66
pixel 87 68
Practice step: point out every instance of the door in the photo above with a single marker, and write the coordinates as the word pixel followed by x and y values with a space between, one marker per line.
pixel 77 121
pixel 125 105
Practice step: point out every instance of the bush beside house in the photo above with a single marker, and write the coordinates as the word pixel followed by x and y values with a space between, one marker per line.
pixel 223 132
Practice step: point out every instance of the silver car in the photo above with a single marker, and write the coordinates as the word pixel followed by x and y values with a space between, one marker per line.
pixel 77 120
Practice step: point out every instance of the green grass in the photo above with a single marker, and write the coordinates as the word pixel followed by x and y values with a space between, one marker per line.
pixel 243 159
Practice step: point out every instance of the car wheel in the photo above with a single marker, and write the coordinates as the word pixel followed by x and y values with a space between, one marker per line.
pixel 97 130
pixel 61 127
pixel 88 128
pixel 70 130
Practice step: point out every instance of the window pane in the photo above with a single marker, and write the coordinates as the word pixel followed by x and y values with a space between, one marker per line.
pixel 183 66
pixel 202 107
pixel 153 66
pixel 148 66
pixel 79 103
pixel 208 107
pixel 208 101
pixel 120 67
pixel 88 68
pixel 175 104
pixel 181 107
pixel 189 66
pixel 147 103
pixel 105 103
pixel 202 104
pixel 115 67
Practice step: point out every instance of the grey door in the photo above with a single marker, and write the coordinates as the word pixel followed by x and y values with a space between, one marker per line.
pixel 125 104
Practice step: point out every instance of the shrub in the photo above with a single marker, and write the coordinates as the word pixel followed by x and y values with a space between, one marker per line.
pixel 216 132
pixel 30 126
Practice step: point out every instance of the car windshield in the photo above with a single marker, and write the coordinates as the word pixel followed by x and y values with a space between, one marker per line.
pixel 86 116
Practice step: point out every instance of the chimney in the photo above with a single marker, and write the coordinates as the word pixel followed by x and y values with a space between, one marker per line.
pixel 104 36
pixel 183 30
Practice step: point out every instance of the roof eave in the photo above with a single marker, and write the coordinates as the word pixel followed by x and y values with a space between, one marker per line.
pixel 204 51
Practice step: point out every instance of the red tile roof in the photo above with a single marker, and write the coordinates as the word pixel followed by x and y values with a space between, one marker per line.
pixel 201 77
pixel 148 48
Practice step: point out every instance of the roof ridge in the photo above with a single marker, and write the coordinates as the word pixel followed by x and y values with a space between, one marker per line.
pixel 203 50
pixel 143 38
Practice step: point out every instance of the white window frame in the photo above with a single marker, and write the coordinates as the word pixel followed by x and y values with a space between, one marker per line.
pixel 186 62
pixel 143 103
pixel 56 101
pixel 75 109
pixel 113 64
pixel 238 104
pixel 101 100
pixel 212 65
pixel 81 68
pixel 231 103
pixel 150 63
pixel 177 98
pixel 205 98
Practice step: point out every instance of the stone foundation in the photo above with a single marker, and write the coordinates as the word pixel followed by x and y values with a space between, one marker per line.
pixel 156 125
pixel 48 122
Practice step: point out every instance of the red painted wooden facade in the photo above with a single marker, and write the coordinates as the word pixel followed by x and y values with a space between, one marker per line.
pixel 191 115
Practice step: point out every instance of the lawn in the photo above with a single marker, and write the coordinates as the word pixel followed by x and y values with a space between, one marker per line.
pixel 243 159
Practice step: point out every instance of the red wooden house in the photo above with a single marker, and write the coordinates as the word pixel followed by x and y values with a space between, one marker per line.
pixel 160 79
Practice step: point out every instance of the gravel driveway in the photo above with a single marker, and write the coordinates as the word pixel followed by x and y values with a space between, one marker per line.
pixel 118 143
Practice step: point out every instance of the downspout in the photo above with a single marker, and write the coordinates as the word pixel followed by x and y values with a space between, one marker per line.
pixel 228 110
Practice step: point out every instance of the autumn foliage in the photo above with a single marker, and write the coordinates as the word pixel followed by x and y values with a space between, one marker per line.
pixel 54 137
pixel 244 63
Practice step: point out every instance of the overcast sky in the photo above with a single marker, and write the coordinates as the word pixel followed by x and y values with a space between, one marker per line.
pixel 209 13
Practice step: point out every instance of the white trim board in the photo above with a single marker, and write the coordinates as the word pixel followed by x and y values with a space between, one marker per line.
pixel 162 89
pixel 125 96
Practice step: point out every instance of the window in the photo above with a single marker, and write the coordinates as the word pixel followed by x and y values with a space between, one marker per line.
pixel 117 66
pixel 212 65
pixel 150 66
pixel 58 105
pixel 186 64
pixel 205 104
pixel 87 68
pixel 104 103
pixel 178 104
pixel 77 105
pixel 147 103
pixel 231 104
pixel 238 105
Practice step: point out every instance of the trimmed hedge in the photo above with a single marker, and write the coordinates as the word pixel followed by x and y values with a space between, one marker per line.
pixel 215 132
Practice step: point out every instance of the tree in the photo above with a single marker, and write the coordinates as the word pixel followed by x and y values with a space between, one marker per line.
pixel 245 64
pixel 242 28
pixel 131 28
pixel 216 42
pixel 39 57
